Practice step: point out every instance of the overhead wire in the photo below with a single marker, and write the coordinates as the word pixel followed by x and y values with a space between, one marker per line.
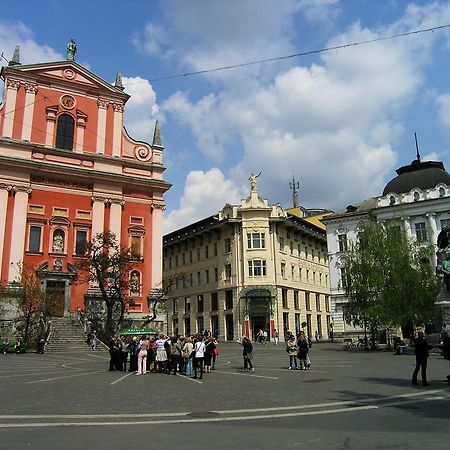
pixel 295 55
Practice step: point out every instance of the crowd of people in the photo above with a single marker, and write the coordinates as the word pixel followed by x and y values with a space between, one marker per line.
pixel 191 356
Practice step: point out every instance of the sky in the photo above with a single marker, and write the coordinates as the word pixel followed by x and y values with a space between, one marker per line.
pixel 341 122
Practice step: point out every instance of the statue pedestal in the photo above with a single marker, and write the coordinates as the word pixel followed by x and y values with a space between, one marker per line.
pixel 442 307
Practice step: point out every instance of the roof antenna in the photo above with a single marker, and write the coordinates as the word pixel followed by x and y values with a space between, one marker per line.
pixel 294 186
pixel 417 148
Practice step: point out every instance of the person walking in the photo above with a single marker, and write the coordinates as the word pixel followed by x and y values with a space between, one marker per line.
pixel 291 349
pixel 421 351
pixel 209 353
pixel 247 353
pixel 94 340
pixel 446 349
pixel 275 336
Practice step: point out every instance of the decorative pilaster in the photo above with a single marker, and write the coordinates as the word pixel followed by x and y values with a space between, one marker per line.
pixel 50 128
pixel 101 127
pixel 81 126
pixel 98 214
pixel 30 96
pixel 18 230
pixel 117 130
pixel 12 86
pixel 4 193
pixel 115 216
pixel 157 235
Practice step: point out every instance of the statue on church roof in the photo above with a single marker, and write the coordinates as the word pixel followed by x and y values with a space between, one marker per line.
pixel 252 178
pixel 71 50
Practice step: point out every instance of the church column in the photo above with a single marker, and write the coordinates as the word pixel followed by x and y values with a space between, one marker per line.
pixel 4 192
pixel 115 217
pixel 98 214
pixel 18 231
pixel 117 130
pixel 30 98
pixel 157 235
pixel 12 86
pixel 101 127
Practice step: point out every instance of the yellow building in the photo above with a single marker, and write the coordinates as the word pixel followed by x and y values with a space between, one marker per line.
pixel 251 267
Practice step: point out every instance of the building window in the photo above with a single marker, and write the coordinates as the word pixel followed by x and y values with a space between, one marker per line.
pixel 215 248
pixel 81 237
pixel 216 274
pixel 175 306
pixel 281 239
pixel 421 232
pixel 296 302
pixel 58 242
pixel 191 279
pixel 256 240
pixel 136 248
pixel 135 283
pixel 199 278
pixel 257 268
pixel 187 305
pixel 200 305
pixel 227 271
pixel 327 303
pixel 187 326
pixel 207 275
pixel 283 270
pixel 291 247
pixel 198 254
pixel 206 252
pixel 65 131
pixel 190 256
pixel 229 299
pixel 176 261
pixel 183 259
pixel 308 301
pixel 293 271
pixel 284 298
pixel 214 301
pixel 342 242
pixel 285 323
pixel 34 240
pixel 318 309
pixel 227 245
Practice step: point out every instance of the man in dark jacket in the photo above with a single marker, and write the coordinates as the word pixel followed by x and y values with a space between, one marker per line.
pixel 421 351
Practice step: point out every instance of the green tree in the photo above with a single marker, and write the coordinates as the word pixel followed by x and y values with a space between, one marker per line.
pixel 389 279
pixel 107 266
pixel 31 302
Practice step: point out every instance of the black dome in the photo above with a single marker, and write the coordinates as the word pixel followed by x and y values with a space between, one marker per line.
pixel 422 175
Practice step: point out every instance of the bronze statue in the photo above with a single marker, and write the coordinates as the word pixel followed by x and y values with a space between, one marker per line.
pixel 71 50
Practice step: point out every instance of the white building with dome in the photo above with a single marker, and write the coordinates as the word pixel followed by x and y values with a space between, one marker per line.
pixel 418 198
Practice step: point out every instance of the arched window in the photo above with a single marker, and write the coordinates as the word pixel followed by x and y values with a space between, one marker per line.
pixel 64 132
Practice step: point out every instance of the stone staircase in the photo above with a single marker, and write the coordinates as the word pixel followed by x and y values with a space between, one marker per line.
pixel 67 335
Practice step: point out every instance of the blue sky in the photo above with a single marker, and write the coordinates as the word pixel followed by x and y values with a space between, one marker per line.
pixel 340 121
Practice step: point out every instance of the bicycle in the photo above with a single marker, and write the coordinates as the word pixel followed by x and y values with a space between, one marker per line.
pixel 349 346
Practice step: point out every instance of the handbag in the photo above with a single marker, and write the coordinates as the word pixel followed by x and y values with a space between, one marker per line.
pixel 248 355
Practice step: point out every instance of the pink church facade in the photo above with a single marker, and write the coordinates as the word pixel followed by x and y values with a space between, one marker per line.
pixel 68 171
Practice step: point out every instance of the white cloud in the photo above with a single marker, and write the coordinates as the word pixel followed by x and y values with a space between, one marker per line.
pixel 332 123
pixel 205 193
pixel 141 110
pixel 443 103
pixel 12 34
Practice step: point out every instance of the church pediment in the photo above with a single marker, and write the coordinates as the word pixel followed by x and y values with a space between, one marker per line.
pixel 68 71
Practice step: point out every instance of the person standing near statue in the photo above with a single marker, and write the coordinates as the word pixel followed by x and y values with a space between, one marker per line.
pixel 422 354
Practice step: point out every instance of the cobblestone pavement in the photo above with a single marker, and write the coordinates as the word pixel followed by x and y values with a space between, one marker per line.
pixel 348 400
